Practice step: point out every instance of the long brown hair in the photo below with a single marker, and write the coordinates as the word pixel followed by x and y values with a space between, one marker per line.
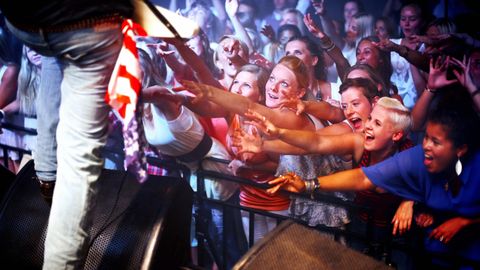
pixel 298 68
pixel 261 75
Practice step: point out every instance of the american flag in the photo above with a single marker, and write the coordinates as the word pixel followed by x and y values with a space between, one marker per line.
pixel 123 95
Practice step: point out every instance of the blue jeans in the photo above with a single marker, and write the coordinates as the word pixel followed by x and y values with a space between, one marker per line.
pixel 48 104
pixel 87 57
pixel 228 222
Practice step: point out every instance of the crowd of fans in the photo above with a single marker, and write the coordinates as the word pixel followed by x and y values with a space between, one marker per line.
pixel 297 94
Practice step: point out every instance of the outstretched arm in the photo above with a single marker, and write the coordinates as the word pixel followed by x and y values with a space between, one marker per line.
pixel 437 78
pixel 324 110
pixel 201 70
pixel 342 181
pixel 253 143
pixel 157 94
pixel 320 109
pixel 465 78
pixel 241 105
pixel 231 6
pixel 414 57
pixel 326 22
pixel 310 141
pixel 330 47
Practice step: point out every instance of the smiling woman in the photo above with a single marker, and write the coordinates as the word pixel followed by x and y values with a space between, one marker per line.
pixel 288 81
pixel 383 134
pixel 429 174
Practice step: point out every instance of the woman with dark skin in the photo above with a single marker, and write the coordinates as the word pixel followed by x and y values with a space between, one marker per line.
pixel 443 173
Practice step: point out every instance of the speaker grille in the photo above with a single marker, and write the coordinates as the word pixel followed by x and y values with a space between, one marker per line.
pixel 293 246
pixel 6 180
pixel 129 217
pixel 23 221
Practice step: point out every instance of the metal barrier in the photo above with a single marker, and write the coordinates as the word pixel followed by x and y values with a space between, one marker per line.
pixel 201 199
pixel 12 126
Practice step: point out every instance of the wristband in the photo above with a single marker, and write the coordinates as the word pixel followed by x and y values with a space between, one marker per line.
pixel 326 43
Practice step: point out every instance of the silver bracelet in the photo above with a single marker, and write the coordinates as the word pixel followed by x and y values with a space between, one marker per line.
pixel 311 185
pixel 316 184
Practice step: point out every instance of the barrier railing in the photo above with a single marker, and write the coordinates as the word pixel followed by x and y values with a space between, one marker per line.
pixel 14 127
pixel 201 199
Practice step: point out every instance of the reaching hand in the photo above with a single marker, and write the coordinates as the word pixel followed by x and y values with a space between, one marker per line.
pixel 385 45
pixel 262 124
pixel 289 181
pixel 162 48
pixel 200 90
pixel 231 48
pixel 445 232
pixel 403 218
pixel 424 220
pixel 261 61
pixel 319 7
pixel 312 27
pixel 158 94
pixel 422 39
pixel 231 7
pixel 437 77
pixel 244 142
pixel 294 104
pixel 463 74
pixel 267 31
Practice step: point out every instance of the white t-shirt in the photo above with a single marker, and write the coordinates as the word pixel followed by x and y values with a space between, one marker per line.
pixel 402 78
pixel 182 135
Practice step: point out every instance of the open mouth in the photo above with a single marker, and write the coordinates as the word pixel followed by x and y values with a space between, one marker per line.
pixel 272 96
pixel 369 137
pixel 428 160
pixel 356 122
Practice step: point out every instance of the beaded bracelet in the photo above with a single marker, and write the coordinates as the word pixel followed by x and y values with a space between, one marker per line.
pixel 327 44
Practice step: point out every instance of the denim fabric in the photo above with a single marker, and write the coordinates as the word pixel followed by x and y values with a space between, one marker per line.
pixel 48 104
pixel 87 58
pixel 227 222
